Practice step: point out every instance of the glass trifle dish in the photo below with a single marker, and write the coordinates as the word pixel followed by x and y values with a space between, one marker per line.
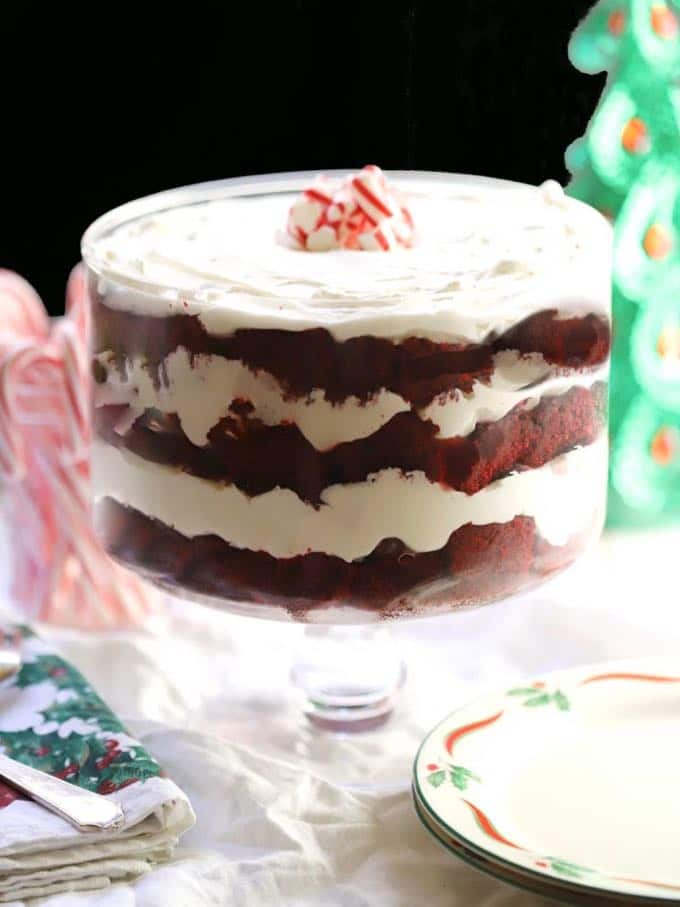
pixel 351 398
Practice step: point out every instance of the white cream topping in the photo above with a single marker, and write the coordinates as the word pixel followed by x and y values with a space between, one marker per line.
pixel 561 496
pixel 486 254
pixel 200 389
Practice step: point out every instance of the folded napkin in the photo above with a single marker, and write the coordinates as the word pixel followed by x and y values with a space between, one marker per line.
pixel 52 719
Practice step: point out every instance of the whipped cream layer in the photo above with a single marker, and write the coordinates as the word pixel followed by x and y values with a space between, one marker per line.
pixel 486 254
pixel 561 497
pixel 217 382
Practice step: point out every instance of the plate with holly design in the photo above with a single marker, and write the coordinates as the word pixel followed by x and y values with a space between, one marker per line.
pixel 568 785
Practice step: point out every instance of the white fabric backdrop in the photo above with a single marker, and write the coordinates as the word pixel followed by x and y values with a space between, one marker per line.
pixel 289 816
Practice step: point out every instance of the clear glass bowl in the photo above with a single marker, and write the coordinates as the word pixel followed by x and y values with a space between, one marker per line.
pixel 389 459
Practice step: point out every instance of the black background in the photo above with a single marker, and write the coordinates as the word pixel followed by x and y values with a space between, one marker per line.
pixel 103 102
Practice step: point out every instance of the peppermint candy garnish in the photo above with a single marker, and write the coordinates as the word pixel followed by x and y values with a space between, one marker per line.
pixel 361 213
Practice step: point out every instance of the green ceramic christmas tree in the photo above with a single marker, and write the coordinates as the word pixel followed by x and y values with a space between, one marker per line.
pixel 628 166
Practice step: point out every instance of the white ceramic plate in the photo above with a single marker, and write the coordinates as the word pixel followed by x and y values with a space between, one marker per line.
pixel 568 785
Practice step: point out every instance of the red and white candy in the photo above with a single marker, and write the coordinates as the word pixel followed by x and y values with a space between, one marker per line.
pixel 363 212
pixel 60 571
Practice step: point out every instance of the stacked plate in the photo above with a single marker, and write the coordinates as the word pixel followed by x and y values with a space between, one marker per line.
pixel 568 785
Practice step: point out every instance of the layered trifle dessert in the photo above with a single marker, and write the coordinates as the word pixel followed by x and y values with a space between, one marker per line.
pixel 314 403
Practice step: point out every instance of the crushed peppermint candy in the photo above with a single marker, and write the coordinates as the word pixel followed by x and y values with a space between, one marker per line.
pixel 362 212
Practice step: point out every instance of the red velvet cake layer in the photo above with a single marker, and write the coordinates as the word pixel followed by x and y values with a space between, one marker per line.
pixel 477 565
pixel 302 361
pixel 257 458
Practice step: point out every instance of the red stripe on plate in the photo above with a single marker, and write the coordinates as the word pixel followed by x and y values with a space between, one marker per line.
pixel 488 827
pixel 453 738
pixel 666 885
pixel 650 678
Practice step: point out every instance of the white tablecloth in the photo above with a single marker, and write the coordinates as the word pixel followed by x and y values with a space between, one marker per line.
pixel 292 817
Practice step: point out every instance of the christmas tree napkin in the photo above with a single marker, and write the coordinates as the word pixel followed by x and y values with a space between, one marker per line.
pixel 52 719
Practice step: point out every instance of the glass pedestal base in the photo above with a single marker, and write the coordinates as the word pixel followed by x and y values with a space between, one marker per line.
pixel 350 676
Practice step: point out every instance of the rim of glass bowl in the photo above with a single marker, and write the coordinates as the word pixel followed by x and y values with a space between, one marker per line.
pixel 243 186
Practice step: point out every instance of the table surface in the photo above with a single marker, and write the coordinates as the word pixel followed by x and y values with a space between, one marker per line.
pixel 291 816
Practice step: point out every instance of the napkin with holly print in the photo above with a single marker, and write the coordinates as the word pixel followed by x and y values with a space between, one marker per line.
pixel 52 719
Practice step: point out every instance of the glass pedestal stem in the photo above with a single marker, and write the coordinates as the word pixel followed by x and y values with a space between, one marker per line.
pixel 350 676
